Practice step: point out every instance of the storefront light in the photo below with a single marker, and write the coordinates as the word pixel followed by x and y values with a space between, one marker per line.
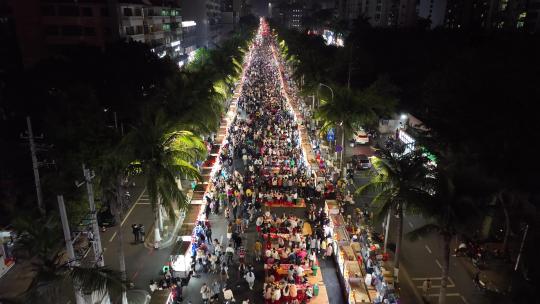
pixel 188 23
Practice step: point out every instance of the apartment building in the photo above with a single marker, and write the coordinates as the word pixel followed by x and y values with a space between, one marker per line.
pixel 44 26
pixel 158 25
pixel 207 15
pixel 433 10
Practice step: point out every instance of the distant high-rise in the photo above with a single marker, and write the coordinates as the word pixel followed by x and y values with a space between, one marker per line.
pixel 44 26
pixel 432 10
pixel 509 15
pixel 207 15
pixel 288 13
pixel 532 17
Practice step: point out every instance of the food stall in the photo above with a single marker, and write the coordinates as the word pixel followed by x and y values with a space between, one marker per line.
pixel 361 264
pixel 164 296
pixel 6 252
pixel 181 258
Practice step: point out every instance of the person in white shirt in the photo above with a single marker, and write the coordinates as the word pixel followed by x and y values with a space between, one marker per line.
pixel 205 293
pixel 250 279
pixel 228 294
pixel 300 271
pixel 275 255
pixel 230 253
pixel 276 295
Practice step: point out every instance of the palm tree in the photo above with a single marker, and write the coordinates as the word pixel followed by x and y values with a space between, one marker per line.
pixel 398 181
pixel 162 154
pixel 52 273
pixel 453 210
pixel 112 171
pixel 351 109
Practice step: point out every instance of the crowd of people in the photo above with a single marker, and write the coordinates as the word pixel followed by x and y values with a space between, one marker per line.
pixel 262 165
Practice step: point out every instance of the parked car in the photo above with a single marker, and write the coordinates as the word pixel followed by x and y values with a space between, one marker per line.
pixel 361 137
pixel 361 162
pixel 105 217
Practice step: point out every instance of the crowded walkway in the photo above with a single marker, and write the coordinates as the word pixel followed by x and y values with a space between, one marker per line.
pixel 254 242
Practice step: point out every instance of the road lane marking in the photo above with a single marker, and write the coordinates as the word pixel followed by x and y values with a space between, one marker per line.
pixel 127 215
pixel 464 300
pixel 410 224
pixel 451 294
pixel 143 204
pixel 450 283
pixel 436 286
pixel 438 263
pixel 427 248
pixel 132 207
pixel 423 279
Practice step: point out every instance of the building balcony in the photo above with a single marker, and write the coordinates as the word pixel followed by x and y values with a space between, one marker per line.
pixel 136 37
pixel 132 20
pixel 155 35
pixel 154 19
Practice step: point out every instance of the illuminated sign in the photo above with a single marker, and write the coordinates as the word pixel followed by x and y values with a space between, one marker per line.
pixel 406 138
pixel 188 23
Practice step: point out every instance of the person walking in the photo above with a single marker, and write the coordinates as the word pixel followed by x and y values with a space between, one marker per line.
pixel 213 260
pixel 208 233
pixel 228 295
pixel 426 286
pixel 216 290
pixel 241 254
pixel 329 251
pixel 250 279
pixel 230 253
pixel 257 248
pixel 141 233
pixel 224 272
pixel 135 231
pixel 205 293
pixel 323 246
pixel 241 270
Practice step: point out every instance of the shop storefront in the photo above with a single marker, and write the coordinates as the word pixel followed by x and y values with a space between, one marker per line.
pixel 7 260
pixel 181 258
pixel 362 266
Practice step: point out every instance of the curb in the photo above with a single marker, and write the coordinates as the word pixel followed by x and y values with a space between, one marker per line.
pixel 149 241
pixel 410 283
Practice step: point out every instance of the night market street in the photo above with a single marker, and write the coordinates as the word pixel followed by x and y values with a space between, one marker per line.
pixel 269 152
pixel 150 261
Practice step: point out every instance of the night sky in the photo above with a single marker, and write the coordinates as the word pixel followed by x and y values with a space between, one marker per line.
pixel 260 7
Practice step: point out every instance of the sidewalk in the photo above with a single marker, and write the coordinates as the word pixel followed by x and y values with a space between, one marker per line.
pixel 15 282
pixel 170 227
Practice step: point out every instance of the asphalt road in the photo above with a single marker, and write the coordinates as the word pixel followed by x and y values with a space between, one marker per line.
pixel 422 259
pixel 142 264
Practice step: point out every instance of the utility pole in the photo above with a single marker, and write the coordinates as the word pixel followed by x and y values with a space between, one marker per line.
pixel 35 163
pixel 69 244
pixel 342 148
pixel 521 247
pixel 96 243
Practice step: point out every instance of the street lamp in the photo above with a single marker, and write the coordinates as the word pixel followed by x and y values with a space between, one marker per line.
pixel 324 85
pixel 342 146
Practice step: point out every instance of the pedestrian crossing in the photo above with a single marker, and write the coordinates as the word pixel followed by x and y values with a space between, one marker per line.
pixel 432 294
